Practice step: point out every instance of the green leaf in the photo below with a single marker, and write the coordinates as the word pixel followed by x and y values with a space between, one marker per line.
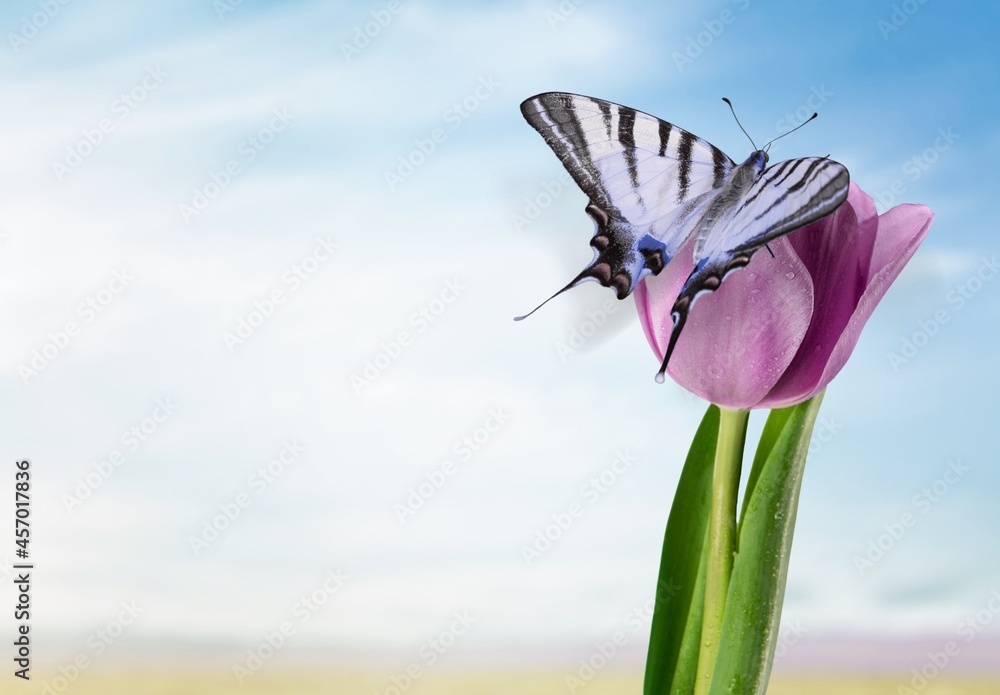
pixel 772 430
pixel 676 628
pixel 757 587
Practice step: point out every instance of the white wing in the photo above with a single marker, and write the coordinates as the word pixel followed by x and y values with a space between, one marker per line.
pixel 783 198
pixel 648 181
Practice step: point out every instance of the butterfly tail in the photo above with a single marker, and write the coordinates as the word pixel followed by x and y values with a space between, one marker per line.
pixel 585 275
pixel 705 278
pixel 621 257
pixel 679 314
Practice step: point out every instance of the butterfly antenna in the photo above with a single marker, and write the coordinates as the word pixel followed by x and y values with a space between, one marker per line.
pixel 738 122
pixel 793 129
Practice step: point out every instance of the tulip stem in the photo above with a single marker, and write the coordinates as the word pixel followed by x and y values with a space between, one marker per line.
pixel 721 538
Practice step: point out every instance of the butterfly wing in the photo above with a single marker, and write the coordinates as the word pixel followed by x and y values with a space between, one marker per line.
pixel 647 180
pixel 783 198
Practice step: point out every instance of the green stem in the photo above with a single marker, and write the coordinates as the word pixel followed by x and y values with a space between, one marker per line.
pixel 721 538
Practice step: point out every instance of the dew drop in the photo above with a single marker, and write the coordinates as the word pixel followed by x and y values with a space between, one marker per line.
pixel 660 378
pixel 790 275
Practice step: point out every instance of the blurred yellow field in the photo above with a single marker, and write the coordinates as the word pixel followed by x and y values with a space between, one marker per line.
pixel 152 683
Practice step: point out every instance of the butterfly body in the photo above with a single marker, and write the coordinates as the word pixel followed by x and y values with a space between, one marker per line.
pixel 654 186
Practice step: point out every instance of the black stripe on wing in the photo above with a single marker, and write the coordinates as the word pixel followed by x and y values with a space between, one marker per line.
pixel 684 165
pixel 663 130
pixel 626 136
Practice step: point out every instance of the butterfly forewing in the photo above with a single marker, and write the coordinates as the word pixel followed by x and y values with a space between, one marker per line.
pixel 786 196
pixel 625 160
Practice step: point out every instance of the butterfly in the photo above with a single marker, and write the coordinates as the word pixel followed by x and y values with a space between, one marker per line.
pixel 653 186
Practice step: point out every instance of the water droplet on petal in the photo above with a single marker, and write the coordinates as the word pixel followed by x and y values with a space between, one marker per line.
pixel 790 275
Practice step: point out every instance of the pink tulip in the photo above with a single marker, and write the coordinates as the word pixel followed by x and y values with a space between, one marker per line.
pixel 778 331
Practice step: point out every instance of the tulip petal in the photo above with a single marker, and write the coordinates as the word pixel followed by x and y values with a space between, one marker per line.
pixel 837 252
pixel 907 228
pixel 854 256
pixel 898 228
pixel 738 340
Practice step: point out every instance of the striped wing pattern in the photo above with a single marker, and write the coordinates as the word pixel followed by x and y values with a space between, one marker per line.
pixel 653 185
pixel 785 197
pixel 646 180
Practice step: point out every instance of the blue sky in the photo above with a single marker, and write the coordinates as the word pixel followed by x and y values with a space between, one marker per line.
pixel 291 138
